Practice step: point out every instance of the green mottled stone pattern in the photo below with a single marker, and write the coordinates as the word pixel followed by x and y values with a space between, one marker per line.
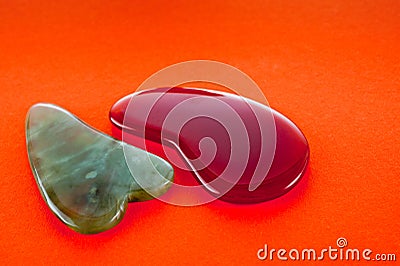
pixel 83 174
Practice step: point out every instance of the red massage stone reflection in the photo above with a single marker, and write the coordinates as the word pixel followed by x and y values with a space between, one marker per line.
pixel 291 150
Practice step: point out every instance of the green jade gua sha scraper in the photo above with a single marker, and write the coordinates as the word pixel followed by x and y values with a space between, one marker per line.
pixel 82 173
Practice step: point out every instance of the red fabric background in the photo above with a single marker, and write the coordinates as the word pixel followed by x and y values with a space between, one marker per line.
pixel 331 66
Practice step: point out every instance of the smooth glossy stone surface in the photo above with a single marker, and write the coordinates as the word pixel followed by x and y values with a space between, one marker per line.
pixel 291 150
pixel 82 173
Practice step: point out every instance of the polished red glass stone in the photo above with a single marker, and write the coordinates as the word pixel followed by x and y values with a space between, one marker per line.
pixel 291 151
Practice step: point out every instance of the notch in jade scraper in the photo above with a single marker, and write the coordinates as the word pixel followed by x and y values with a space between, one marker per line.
pixel 276 157
pixel 82 173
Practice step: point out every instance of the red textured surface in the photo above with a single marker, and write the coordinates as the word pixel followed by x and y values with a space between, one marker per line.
pixel 331 66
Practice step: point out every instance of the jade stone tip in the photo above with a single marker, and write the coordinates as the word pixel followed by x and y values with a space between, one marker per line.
pixel 83 174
